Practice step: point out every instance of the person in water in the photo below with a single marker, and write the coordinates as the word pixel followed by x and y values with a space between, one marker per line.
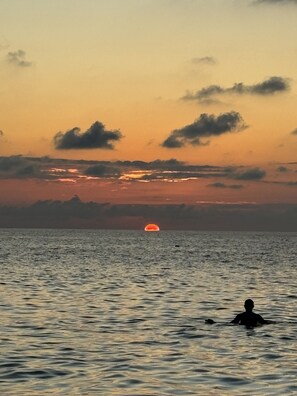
pixel 249 318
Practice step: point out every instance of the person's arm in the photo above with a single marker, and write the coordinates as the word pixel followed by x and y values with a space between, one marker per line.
pixel 236 319
pixel 263 321
pixel 209 321
pixel 260 319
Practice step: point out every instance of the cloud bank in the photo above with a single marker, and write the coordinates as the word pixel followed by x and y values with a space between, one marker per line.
pixel 77 214
pixel 51 169
pixel 94 137
pixel 206 126
pixel 271 86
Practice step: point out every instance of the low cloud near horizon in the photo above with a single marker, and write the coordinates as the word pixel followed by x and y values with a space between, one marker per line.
pixel 223 185
pixel 50 170
pixel 18 167
pixel 249 174
pixel 77 214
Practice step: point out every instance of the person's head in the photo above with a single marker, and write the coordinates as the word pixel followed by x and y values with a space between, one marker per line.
pixel 249 305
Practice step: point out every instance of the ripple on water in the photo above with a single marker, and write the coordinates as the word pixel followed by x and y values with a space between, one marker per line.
pixel 117 313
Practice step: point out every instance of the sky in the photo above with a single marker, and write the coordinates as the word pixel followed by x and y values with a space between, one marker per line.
pixel 117 113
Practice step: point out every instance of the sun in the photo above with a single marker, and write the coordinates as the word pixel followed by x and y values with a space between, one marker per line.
pixel 151 227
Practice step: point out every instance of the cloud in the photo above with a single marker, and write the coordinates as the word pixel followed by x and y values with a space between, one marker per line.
pixel 74 213
pixel 223 185
pixel 94 137
pixel 51 169
pixel 59 169
pixel 102 170
pixel 249 174
pixel 18 58
pixel 18 167
pixel 282 183
pixel 1 133
pixel 153 165
pixel 205 126
pixel 294 132
pixel 282 168
pixel 205 60
pixel 271 86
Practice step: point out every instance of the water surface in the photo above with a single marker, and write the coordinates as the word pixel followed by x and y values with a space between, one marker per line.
pixel 122 313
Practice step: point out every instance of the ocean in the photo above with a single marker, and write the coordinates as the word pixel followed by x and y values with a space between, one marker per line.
pixel 94 312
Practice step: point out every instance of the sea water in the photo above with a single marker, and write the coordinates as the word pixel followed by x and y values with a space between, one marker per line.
pixel 93 312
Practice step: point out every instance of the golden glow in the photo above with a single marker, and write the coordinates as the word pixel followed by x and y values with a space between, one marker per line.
pixel 151 228
pixel 142 97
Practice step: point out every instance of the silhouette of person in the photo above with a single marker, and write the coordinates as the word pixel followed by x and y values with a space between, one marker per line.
pixel 249 318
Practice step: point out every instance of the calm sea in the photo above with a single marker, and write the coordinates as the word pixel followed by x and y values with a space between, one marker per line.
pixel 122 313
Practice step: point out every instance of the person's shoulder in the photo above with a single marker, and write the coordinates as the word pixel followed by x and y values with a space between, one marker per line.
pixel 259 318
pixel 237 318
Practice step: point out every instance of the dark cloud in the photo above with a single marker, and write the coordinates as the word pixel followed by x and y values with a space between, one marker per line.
pixel 52 169
pixel 223 185
pixel 206 126
pixel 205 95
pixel 205 60
pixel 18 167
pixel 282 183
pixel 267 87
pixel 249 174
pixel 18 58
pixel 282 168
pixel 153 165
pixel 1 133
pixel 94 137
pixel 102 170
pixel 77 214
pixel 294 132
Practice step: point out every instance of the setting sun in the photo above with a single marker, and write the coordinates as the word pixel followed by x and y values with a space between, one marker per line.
pixel 151 227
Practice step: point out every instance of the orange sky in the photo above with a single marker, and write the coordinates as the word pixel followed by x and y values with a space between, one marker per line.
pixel 129 80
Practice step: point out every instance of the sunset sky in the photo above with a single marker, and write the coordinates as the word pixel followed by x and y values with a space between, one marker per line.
pixel 152 108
